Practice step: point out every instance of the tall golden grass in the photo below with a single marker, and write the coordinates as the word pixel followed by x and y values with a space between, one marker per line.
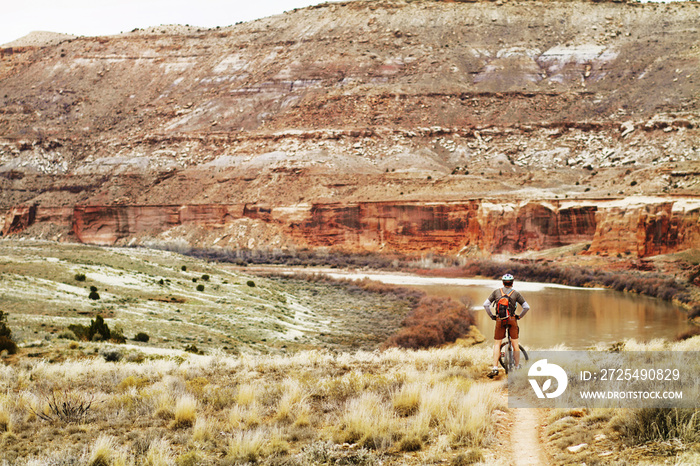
pixel 398 406
pixel 252 408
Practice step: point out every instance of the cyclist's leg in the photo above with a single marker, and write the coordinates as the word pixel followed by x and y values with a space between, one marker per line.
pixel 498 336
pixel 496 352
pixel 516 351
pixel 515 338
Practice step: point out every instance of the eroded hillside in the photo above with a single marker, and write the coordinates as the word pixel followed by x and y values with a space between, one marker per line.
pixel 328 108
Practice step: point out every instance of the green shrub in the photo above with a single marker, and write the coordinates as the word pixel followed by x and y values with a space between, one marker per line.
pixel 94 295
pixel 183 268
pixel 67 335
pixel 111 354
pixel 117 335
pixel 6 341
pixel 98 330
pixel 193 349
pixel 8 345
pixel 142 337
pixel 200 287
pixel 205 277
pixel 80 277
pixel 4 329
pixel 250 283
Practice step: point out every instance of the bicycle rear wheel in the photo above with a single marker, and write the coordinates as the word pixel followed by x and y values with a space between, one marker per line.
pixel 507 358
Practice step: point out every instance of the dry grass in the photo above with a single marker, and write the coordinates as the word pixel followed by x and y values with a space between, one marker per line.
pixel 630 436
pixel 396 406
pixel 104 453
pixel 158 454
pixel 5 417
pixel 191 408
pixel 185 412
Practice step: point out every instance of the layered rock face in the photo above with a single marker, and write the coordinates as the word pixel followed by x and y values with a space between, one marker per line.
pixel 409 126
pixel 633 227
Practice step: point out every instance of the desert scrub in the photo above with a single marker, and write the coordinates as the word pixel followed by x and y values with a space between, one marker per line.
pixel 658 424
pixel 370 422
pixel 105 453
pixel 7 343
pixel 5 417
pixel 248 407
pixel 185 412
pixel 251 445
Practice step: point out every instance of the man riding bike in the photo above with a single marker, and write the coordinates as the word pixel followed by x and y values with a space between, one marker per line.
pixel 506 301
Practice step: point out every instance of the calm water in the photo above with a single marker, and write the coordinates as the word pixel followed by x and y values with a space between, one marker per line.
pixel 576 317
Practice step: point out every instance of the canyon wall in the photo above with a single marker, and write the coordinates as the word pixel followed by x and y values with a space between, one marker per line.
pixel 636 227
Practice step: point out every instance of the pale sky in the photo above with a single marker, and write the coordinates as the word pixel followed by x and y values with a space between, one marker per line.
pixel 106 17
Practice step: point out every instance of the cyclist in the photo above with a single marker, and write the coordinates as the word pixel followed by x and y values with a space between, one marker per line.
pixel 514 298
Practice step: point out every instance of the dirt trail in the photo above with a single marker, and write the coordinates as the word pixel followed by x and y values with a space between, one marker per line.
pixel 527 447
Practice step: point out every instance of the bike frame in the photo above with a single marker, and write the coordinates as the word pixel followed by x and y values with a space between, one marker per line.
pixel 507 358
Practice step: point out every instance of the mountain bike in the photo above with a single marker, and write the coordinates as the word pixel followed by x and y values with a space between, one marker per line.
pixel 507 358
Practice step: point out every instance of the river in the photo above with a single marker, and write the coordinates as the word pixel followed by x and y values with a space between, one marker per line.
pixel 577 318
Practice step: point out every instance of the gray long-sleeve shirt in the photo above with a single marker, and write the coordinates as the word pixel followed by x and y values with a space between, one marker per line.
pixel 515 299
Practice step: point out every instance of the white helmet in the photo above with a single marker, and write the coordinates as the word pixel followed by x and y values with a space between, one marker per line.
pixel 507 278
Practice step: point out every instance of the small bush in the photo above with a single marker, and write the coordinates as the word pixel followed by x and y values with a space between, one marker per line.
pixel 142 337
pixel 158 453
pixel 191 458
pixel 103 452
pixel 200 287
pixel 250 283
pixel 205 277
pixel 410 444
pixel 185 412
pixel 97 331
pixel 117 336
pixel 111 354
pixel 695 311
pixel 5 419
pixel 67 335
pixel 193 349
pixel 94 295
pixel 64 406
pixel 8 345
pixel 80 277
pixel 183 268
pixel 6 341
pixel 435 321
pixel 472 456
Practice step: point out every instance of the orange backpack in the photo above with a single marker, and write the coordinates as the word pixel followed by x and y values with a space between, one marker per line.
pixel 503 305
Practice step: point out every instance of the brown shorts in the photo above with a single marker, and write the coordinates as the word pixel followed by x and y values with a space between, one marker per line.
pixel 500 333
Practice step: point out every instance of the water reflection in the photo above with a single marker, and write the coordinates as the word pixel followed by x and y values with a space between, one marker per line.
pixel 578 317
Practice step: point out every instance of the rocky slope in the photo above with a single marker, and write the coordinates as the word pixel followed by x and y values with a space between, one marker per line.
pixel 382 125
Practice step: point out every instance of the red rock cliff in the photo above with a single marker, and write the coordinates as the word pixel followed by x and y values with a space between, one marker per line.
pixel 635 226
